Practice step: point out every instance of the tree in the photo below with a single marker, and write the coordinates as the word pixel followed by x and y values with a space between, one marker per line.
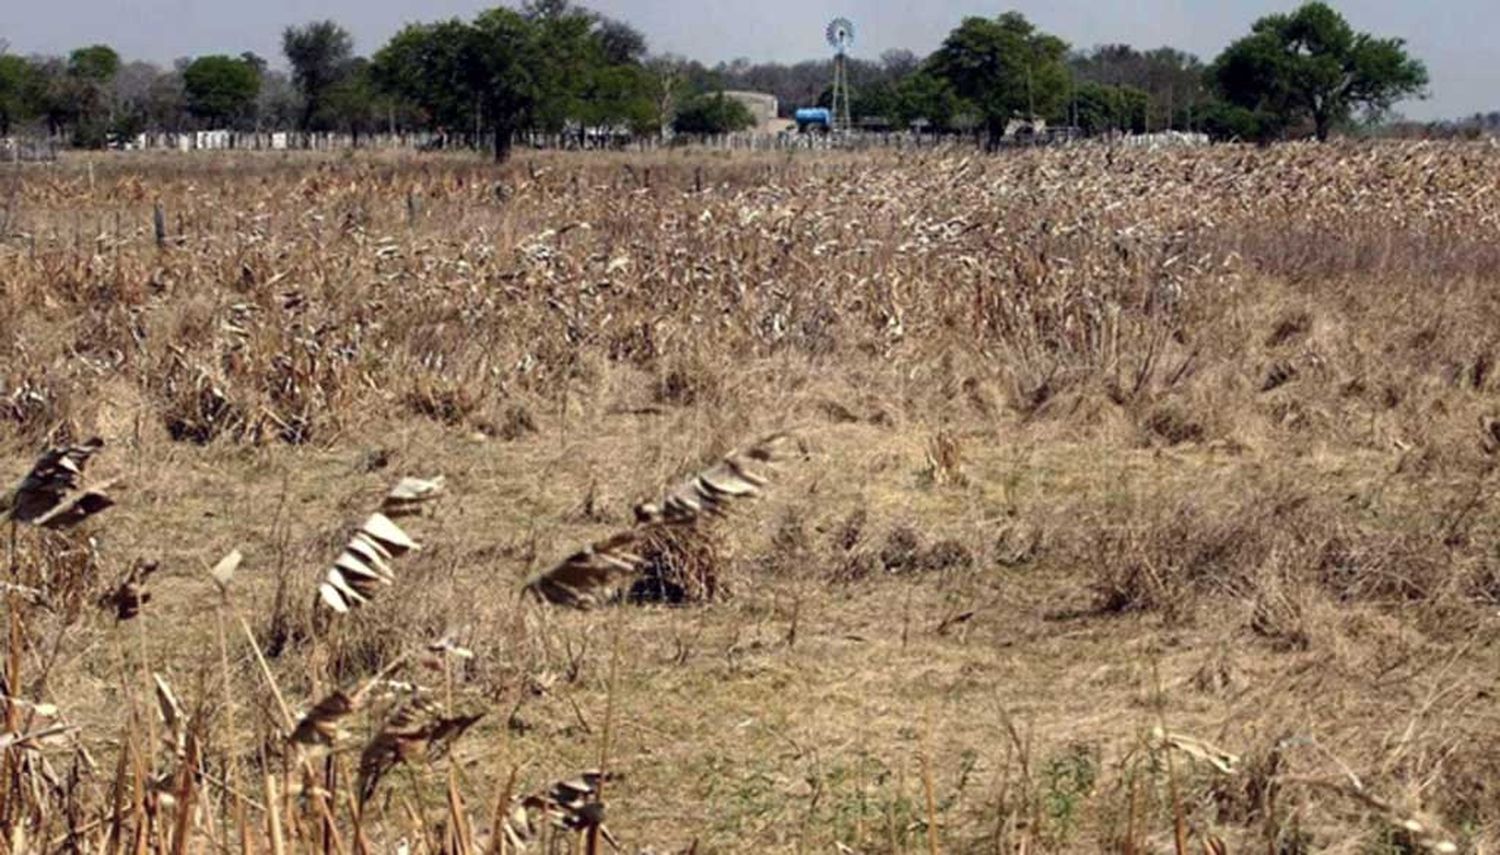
pixel 355 103
pixel 319 54
pixel 552 66
pixel 1004 68
pixel 618 96
pixel 926 99
pixel 1099 108
pixel 567 54
pixel 1171 79
pixel 712 114
pixel 666 81
pixel 278 105
pixel 256 61
pixel 83 95
pixel 1310 65
pixel 436 68
pixel 221 89
pixel 621 43
pixel 503 65
pixel 95 63
pixel 14 108
pixel 898 63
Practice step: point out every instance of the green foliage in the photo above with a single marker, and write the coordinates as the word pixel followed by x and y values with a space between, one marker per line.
pixel 567 55
pixel 509 72
pixel 556 67
pixel 877 101
pixel 620 43
pixel 465 76
pixel 354 103
pixel 319 54
pixel 618 97
pixel 551 67
pixel 14 105
pixel 95 64
pixel 1004 68
pixel 923 97
pixel 78 98
pixel 1171 80
pixel 712 114
pixel 221 89
pixel 1067 781
pixel 1311 66
pixel 1100 108
pixel 433 66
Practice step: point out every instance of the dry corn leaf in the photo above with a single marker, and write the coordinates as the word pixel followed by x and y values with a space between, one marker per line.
pixel 223 572
pixel 172 715
pixel 417 731
pixel 51 495
pixel 1197 749
pixel 738 475
pixel 601 572
pixel 363 568
pixel 130 595
pixel 410 495
pixel 592 576
pixel 320 727
pixel 572 804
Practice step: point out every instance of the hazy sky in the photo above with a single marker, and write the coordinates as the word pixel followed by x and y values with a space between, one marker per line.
pixel 1459 39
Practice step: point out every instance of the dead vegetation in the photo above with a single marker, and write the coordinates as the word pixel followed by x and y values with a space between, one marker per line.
pixel 1142 501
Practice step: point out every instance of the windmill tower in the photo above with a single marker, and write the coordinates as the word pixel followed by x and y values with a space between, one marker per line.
pixel 840 35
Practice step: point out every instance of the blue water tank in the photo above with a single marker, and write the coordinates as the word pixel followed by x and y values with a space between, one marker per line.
pixel 814 116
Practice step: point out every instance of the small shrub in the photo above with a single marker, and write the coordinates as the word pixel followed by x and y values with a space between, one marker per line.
pixel 901 551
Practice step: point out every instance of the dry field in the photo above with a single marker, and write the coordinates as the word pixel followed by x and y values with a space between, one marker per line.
pixel 1144 502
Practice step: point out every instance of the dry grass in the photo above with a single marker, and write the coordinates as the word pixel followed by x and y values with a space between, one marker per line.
pixel 1121 463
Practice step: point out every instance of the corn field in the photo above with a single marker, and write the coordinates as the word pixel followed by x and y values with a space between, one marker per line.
pixel 1098 498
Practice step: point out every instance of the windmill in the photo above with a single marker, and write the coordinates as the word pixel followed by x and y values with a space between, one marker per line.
pixel 840 35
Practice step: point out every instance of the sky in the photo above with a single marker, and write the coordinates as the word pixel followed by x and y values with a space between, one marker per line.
pixel 1458 39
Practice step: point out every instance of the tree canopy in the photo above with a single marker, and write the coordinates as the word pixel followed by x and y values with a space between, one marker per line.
pixel 712 114
pixel 1003 69
pixel 221 89
pixel 1311 65
pixel 557 68
pixel 319 54
pixel 14 77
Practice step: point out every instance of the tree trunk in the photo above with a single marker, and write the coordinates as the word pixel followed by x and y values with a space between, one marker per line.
pixel 1322 118
pixel 994 132
pixel 502 144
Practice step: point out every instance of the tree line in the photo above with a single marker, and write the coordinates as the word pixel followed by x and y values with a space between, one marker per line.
pixel 555 67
